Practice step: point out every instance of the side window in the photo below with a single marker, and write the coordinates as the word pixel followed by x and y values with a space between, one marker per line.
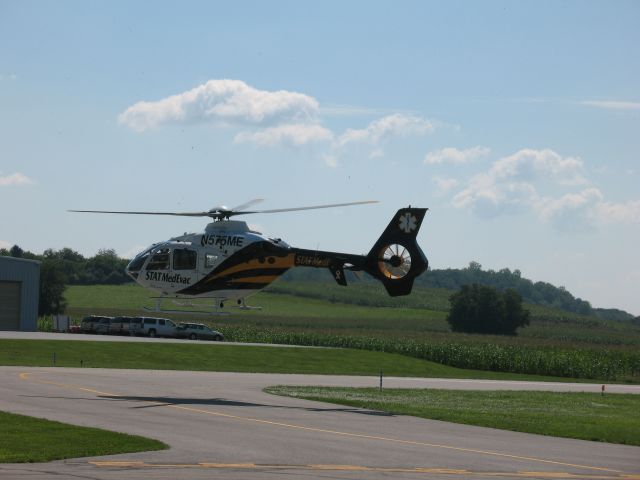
pixel 200 327
pixel 161 322
pixel 210 260
pixel 184 259
pixel 149 321
pixel 159 260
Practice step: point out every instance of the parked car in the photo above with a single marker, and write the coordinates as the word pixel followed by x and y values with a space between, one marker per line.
pixel 120 326
pixel 74 329
pixel 152 327
pixel 195 331
pixel 95 324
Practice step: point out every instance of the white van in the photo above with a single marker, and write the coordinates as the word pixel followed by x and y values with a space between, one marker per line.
pixel 152 327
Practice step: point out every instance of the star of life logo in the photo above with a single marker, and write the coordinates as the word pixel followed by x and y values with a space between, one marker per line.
pixel 407 223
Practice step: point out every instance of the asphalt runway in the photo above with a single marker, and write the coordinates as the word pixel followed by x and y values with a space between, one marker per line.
pixel 221 425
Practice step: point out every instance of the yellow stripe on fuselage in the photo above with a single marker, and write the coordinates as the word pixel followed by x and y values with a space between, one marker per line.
pixel 280 262
pixel 255 264
pixel 260 279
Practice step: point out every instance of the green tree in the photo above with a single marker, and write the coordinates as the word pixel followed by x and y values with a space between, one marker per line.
pixel 107 267
pixel 482 309
pixel 52 287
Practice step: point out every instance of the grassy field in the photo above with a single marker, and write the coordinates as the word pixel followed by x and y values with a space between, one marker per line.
pixel 29 439
pixel 362 316
pixel 227 358
pixel 610 418
pixel 360 307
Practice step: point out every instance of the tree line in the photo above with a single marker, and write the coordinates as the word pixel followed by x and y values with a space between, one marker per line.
pixel 58 268
pixel 104 268
pixel 539 293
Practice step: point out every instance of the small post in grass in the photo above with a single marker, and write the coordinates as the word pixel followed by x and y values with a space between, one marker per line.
pixel 81 363
pixel 381 381
pixel 54 359
pixel 602 391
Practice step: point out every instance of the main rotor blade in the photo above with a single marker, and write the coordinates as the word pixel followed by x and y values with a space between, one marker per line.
pixel 219 215
pixel 314 207
pixel 244 206
pixel 178 214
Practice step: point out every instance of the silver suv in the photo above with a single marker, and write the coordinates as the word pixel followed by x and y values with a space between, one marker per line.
pixel 152 327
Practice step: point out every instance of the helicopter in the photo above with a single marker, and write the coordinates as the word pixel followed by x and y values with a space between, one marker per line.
pixel 229 261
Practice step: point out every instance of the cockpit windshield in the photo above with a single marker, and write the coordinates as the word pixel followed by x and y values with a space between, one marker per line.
pixel 137 263
pixel 160 259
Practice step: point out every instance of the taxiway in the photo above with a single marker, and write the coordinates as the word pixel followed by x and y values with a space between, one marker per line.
pixel 222 425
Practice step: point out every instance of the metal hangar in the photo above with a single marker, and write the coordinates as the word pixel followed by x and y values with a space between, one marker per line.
pixel 19 290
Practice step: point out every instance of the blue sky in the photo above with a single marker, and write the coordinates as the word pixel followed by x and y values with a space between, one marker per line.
pixel 516 123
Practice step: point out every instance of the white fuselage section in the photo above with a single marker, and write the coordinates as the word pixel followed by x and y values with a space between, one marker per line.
pixel 186 265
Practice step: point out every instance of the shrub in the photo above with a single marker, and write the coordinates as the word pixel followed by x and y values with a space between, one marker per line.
pixel 481 309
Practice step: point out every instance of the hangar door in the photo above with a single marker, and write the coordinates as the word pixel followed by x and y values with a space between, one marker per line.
pixel 10 305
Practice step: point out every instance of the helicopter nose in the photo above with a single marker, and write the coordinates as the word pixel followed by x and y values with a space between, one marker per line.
pixel 132 273
pixel 134 267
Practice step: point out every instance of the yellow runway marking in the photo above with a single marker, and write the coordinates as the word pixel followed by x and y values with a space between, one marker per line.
pixel 360 468
pixel 27 376
pixel 387 439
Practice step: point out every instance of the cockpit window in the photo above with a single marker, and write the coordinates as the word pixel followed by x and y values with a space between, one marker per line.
pixel 136 264
pixel 184 259
pixel 160 259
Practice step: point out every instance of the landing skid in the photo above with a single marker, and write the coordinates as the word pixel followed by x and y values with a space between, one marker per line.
pixel 214 309
pixel 243 306
pixel 187 312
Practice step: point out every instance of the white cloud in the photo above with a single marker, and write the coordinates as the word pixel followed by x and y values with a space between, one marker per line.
pixel 584 210
pixel 612 104
pixel 529 165
pixel 14 179
pixel 572 211
pixel 4 244
pixel 397 124
pixel 455 156
pixel 348 111
pixel 508 186
pixel 376 153
pixel 445 185
pixel 489 197
pixel 295 134
pixel 628 212
pixel 511 186
pixel 330 160
pixel 222 100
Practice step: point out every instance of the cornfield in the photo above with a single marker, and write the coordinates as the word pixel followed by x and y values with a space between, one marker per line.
pixel 601 364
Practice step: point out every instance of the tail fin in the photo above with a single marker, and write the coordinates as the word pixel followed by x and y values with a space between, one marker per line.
pixel 396 259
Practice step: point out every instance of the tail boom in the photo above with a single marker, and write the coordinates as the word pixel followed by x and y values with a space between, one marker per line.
pixel 395 259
